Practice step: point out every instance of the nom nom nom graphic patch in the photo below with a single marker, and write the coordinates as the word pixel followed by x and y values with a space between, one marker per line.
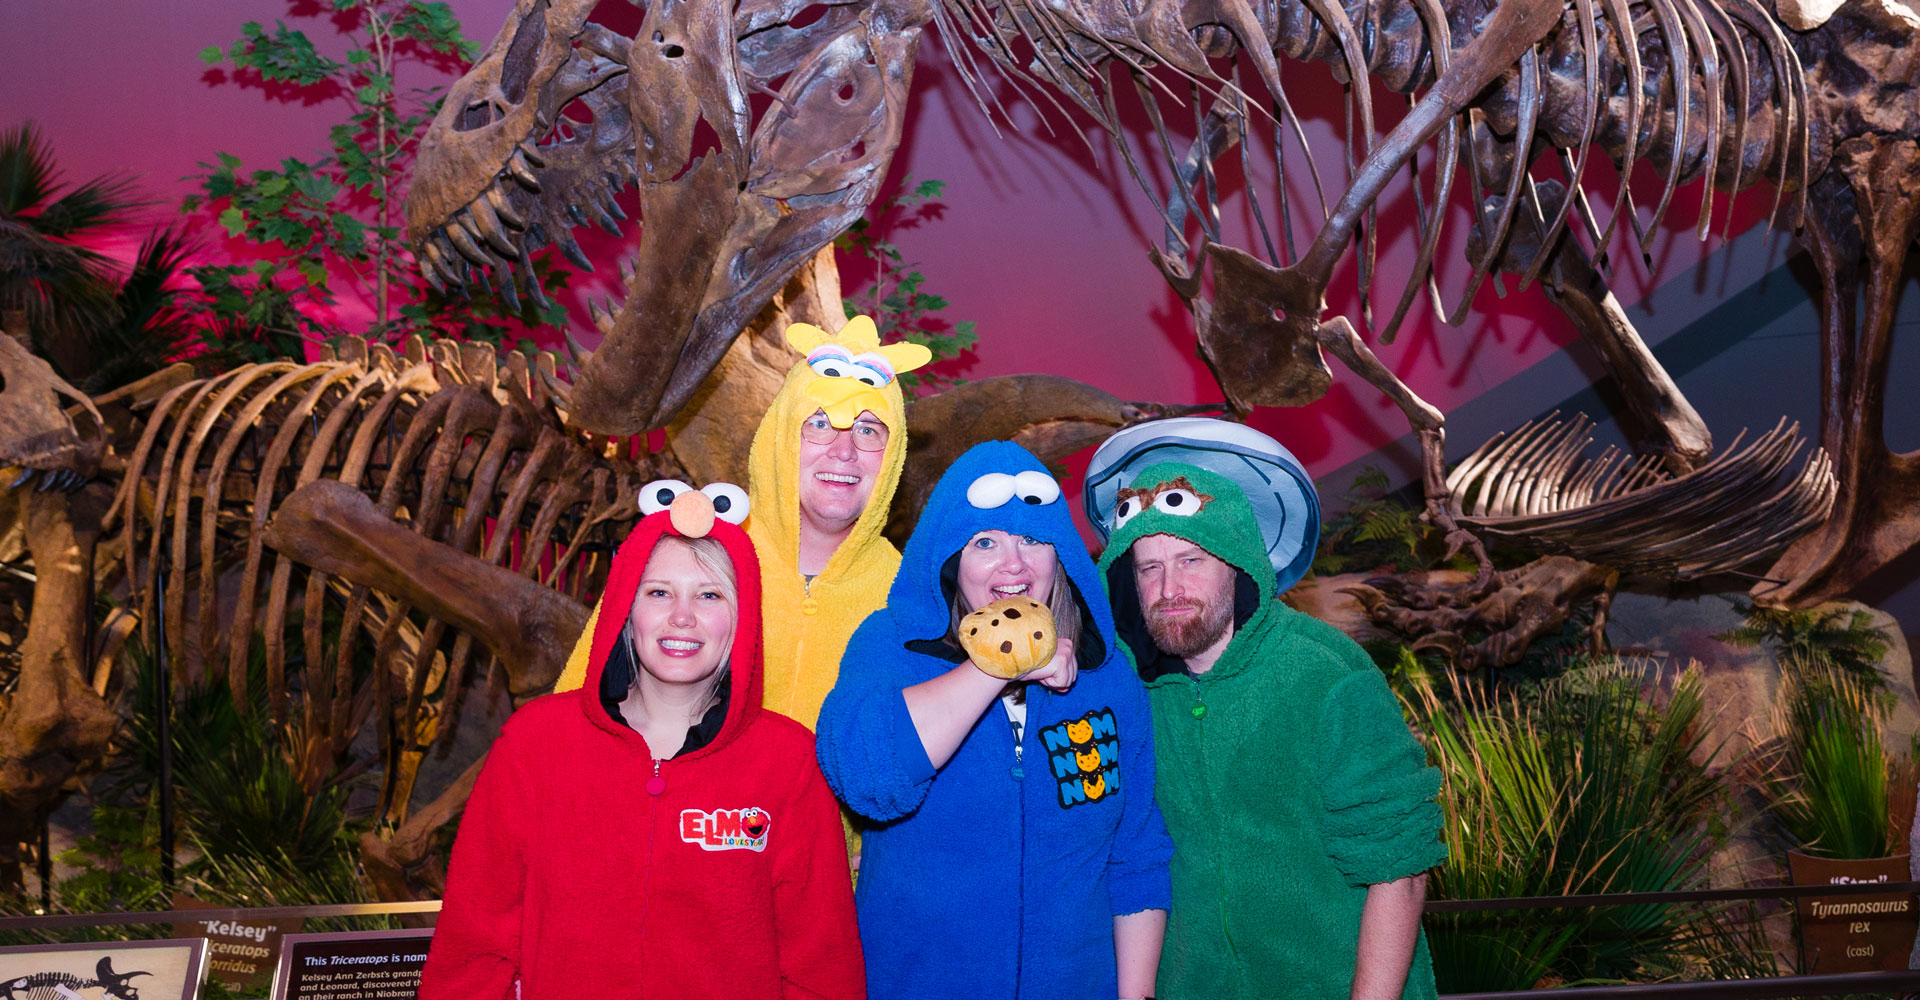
pixel 726 829
pixel 1083 756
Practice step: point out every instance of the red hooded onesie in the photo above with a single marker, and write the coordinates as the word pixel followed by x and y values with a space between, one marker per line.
pixel 584 868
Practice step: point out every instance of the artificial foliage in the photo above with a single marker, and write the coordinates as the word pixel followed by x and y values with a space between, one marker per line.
pixel 1840 636
pixel 896 296
pixel 1587 784
pixel 1828 776
pixel 68 300
pixel 1378 528
pixel 312 223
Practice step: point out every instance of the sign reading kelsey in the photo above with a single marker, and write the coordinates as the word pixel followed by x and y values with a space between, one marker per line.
pixel 240 953
pixel 1868 933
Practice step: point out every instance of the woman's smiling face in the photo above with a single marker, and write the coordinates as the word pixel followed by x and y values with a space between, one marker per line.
pixel 683 617
pixel 995 564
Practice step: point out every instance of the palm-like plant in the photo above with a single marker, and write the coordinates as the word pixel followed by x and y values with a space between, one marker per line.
pixel 1586 786
pixel 49 280
pixel 1827 776
pixel 151 323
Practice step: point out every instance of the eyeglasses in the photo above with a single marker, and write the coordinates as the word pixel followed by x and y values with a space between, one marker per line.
pixel 868 435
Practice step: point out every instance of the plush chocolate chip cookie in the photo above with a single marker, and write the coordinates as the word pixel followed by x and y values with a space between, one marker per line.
pixel 1009 637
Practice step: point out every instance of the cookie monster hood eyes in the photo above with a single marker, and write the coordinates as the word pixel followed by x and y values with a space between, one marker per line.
pixel 999 486
pixel 995 489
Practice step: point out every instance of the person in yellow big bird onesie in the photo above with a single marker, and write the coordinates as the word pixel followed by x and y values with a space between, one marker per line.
pixel 820 479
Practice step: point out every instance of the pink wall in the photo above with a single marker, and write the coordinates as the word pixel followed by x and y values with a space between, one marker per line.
pixel 1043 243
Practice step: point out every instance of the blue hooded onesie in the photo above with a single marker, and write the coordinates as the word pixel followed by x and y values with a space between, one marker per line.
pixel 998 875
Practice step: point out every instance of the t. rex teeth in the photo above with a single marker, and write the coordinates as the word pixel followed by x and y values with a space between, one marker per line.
pixel 602 315
pixel 580 353
pixel 574 213
pixel 464 242
pixel 605 220
pixel 503 207
pixel 490 228
pixel 534 291
pixel 532 153
pixel 503 280
pixel 446 260
pixel 517 167
pixel 627 268
pixel 21 480
pixel 431 273
pixel 613 208
pixel 571 250
pixel 47 482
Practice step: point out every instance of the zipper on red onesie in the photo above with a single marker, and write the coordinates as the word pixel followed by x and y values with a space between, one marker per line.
pixel 655 785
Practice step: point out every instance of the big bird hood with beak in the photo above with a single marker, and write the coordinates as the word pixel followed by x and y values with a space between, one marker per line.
pixel 808 623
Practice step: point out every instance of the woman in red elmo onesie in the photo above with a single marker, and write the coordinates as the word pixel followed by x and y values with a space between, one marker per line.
pixel 655 833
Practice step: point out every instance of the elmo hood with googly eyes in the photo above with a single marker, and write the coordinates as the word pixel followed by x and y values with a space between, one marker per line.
pixel 674 508
pixel 996 485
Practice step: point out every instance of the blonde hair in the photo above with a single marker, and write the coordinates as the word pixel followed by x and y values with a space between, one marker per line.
pixel 712 557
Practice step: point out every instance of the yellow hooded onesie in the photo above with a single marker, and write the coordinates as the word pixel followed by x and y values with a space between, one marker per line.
pixel 807 624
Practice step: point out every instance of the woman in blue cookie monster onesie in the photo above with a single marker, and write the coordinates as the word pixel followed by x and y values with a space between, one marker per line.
pixel 1013 848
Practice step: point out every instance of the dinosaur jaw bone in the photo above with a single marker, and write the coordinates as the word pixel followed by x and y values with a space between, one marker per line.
pixel 534 140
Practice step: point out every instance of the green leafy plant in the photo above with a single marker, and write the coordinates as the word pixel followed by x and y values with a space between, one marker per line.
pixel 260 831
pixel 1834 635
pixel 896 298
pixel 313 221
pixel 1586 786
pixel 1827 776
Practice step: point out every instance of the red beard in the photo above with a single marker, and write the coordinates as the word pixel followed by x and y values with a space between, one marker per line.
pixel 1190 634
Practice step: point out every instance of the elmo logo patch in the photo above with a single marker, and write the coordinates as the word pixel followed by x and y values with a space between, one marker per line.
pixel 726 829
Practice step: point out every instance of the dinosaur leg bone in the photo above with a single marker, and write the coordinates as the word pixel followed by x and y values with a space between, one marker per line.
pixel 1338 336
pixel 332 527
pixel 1877 515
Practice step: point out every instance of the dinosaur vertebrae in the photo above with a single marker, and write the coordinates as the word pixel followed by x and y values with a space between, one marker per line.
pixel 477 461
pixel 1698 88
pixel 1747 504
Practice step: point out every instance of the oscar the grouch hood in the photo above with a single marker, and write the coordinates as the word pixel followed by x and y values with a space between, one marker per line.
pixel 1207 509
pixel 809 622
pixel 623 581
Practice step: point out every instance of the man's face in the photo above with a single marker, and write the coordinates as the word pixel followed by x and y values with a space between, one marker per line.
pixel 838 469
pixel 1186 594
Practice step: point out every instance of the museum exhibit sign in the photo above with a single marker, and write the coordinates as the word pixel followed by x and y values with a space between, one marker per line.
pixel 151 970
pixel 351 965
pixel 241 953
pixel 1853 933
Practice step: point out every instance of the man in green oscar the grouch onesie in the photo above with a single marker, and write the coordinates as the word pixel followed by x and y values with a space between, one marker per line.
pixel 1300 804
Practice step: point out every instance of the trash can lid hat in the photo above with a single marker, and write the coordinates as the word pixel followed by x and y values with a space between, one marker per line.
pixel 1276 484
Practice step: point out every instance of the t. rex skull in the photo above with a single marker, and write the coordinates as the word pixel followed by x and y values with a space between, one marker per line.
pixel 753 143
pixel 39 444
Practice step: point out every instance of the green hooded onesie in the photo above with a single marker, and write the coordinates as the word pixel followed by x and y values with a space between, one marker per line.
pixel 1287 775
